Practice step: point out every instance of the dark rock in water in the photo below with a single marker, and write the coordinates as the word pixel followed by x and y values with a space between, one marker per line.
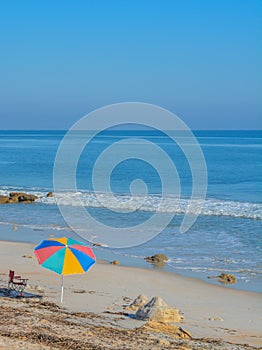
pixel 26 199
pixel 50 194
pixel 16 194
pixel 15 197
pixel 157 258
pixel 4 199
pixel 226 278
pixel 22 197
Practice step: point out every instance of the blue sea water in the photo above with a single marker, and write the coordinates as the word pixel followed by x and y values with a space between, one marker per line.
pixel 226 236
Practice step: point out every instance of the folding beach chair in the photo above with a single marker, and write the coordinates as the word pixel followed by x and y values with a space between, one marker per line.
pixel 16 283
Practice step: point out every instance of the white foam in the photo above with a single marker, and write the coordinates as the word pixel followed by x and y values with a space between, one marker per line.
pixel 151 203
pixel 154 203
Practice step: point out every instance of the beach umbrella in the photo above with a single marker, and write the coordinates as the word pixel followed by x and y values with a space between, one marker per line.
pixel 64 256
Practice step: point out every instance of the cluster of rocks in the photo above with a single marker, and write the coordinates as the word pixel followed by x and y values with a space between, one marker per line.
pixel 15 197
pixel 20 197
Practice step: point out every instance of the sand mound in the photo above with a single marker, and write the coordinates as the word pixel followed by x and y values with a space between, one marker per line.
pixel 139 302
pixel 157 310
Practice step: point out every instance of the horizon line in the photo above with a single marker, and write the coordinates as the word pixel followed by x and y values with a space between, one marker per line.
pixel 143 129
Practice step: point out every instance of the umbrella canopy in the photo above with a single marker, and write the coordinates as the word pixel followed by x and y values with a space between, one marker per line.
pixel 64 256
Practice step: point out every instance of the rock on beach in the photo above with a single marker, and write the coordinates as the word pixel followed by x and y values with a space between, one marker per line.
pixel 156 310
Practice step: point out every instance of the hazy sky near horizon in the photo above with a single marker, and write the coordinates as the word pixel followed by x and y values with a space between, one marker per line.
pixel 199 59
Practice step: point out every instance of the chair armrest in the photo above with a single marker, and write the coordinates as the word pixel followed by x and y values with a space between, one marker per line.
pixel 23 280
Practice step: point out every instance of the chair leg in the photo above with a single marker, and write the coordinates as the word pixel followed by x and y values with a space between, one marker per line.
pixel 21 291
pixel 17 288
pixel 9 288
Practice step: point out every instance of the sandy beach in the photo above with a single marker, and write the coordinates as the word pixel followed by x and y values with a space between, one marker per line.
pixel 130 187
pixel 216 317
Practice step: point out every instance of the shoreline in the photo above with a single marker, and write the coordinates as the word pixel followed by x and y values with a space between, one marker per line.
pixel 167 274
pixel 19 233
pixel 151 267
pixel 210 311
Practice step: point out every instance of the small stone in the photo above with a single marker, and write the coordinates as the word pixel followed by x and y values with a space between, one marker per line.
pixel 79 291
pixel 115 262
pixel 127 299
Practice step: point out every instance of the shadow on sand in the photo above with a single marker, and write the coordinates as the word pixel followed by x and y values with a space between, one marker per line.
pixel 7 293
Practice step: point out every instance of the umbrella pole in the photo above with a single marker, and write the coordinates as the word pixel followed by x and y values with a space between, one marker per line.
pixel 62 289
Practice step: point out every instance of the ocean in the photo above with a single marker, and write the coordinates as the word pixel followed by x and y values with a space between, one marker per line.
pixel 226 236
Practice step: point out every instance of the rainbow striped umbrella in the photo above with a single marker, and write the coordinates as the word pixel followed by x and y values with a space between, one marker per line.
pixel 64 256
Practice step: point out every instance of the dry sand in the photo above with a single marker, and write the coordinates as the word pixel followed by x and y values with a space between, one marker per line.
pixel 93 316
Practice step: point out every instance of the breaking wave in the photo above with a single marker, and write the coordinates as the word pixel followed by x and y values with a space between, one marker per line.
pixel 150 203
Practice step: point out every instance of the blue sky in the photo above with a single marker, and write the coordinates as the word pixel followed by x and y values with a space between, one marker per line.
pixel 200 59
